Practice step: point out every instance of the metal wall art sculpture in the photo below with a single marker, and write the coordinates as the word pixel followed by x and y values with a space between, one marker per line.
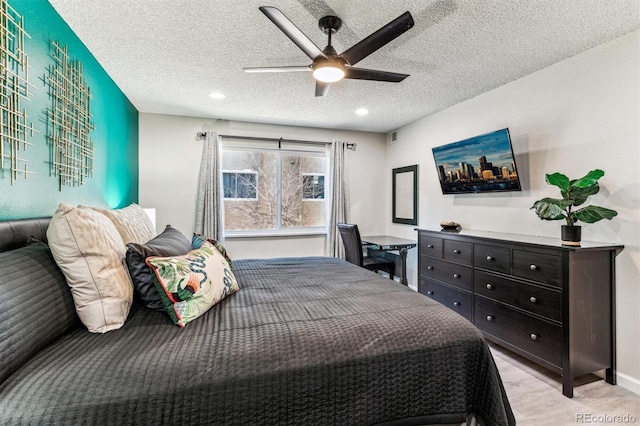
pixel 69 120
pixel 14 88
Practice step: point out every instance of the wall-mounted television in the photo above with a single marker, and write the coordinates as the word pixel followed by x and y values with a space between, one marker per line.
pixel 483 163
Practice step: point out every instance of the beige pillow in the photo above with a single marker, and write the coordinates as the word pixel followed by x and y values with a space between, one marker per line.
pixel 133 224
pixel 90 252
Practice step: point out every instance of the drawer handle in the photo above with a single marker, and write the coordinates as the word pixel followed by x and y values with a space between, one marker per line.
pixel 456 251
pixel 429 292
pixel 489 318
pixel 490 258
pixel 533 299
pixel 489 286
pixel 429 246
pixel 456 303
pixel 533 267
pixel 534 336
pixel 456 276
pixel 430 267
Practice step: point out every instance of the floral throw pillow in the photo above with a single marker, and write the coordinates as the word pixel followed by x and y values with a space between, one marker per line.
pixel 189 285
pixel 199 240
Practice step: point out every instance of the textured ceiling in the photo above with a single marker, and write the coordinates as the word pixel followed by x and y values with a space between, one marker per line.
pixel 167 55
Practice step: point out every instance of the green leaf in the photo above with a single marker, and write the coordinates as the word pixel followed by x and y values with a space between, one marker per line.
pixel 589 179
pixel 578 196
pixel 549 209
pixel 592 214
pixel 559 180
pixel 563 204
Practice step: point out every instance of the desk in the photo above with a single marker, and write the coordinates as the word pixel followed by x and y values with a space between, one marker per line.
pixel 383 245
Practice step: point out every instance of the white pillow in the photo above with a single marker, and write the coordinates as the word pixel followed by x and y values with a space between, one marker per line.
pixel 133 224
pixel 90 252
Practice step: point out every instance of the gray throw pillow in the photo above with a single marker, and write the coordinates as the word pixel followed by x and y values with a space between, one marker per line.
pixel 171 242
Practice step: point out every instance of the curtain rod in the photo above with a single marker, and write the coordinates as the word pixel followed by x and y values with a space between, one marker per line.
pixel 201 135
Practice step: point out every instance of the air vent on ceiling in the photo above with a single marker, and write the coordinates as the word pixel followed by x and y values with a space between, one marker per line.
pixel 392 137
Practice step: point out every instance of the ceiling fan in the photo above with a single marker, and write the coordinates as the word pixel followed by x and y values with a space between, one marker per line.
pixel 328 66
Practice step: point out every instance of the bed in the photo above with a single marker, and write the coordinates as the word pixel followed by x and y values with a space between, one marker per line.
pixel 313 341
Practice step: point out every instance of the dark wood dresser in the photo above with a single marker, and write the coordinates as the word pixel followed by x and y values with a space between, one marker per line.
pixel 552 304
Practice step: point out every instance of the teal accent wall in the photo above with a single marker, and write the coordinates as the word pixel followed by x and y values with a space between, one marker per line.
pixel 115 172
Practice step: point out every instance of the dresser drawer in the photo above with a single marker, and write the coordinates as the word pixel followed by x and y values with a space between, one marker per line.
pixel 457 300
pixel 491 257
pixel 457 251
pixel 538 300
pixel 430 246
pixel 546 268
pixel 530 334
pixel 450 273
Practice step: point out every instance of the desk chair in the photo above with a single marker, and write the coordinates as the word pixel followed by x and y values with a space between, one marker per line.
pixel 353 251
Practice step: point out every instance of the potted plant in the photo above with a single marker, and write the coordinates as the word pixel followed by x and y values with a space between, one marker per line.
pixel 574 193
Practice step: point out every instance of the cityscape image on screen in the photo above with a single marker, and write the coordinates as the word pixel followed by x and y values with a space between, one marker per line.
pixel 483 163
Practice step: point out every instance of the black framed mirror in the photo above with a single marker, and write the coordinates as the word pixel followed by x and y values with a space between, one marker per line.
pixel 405 195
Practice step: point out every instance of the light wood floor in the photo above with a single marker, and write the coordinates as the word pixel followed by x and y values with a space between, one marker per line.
pixel 536 396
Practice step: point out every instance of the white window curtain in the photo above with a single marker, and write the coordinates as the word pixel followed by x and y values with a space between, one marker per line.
pixel 340 211
pixel 209 207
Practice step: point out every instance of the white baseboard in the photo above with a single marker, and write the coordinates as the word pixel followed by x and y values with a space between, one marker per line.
pixel 628 382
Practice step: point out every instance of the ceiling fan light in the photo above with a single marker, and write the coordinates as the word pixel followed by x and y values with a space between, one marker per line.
pixel 328 72
pixel 217 95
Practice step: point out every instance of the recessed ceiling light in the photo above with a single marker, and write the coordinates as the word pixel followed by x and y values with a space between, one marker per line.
pixel 216 95
pixel 362 111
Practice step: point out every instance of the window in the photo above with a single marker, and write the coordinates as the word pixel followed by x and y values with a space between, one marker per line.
pixel 240 185
pixel 312 186
pixel 276 191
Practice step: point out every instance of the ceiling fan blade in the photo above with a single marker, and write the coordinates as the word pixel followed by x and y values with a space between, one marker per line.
pixel 278 69
pixel 322 89
pixel 293 32
pixel 375 41
pixel 365 74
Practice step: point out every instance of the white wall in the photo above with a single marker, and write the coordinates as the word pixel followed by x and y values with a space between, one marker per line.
pixel 170 161
pixel 572 117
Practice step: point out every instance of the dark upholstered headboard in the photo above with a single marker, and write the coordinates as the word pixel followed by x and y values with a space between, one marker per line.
pixel 14 233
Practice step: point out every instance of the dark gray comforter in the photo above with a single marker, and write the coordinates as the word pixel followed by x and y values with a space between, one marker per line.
pixel 306 341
